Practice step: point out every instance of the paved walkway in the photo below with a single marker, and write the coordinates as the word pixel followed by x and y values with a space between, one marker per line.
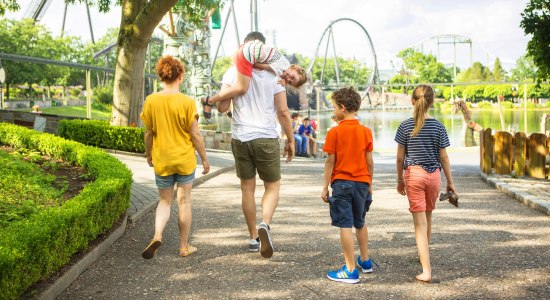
pixel 491 247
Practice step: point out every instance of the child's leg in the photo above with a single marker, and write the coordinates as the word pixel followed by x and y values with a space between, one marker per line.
pixel 346 239
pixel 363 241
pixel 429 222
pixel 421 233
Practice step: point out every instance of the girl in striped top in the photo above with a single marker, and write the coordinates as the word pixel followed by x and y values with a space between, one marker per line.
pixel 420 156
pixel 254 53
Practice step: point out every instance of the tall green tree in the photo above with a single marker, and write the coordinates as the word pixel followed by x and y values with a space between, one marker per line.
pixel 536 22
pixel 498 71
pixel 476 73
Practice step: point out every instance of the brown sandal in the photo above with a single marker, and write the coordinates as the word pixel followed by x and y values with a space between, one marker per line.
pixel 151 249
pixel 187 251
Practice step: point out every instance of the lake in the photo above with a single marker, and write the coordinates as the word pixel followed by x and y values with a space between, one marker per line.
pixel 384 124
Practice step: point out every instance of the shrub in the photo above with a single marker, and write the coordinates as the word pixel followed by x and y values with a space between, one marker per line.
pixel 103 94
pixel 101 107
pixel 101 134
pixel 547 104
pixel 34 248
pixel 485 105
pixel 507 105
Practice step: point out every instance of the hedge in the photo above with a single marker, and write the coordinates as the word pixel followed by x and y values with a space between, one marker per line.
pixel 34 248
pixel 101 134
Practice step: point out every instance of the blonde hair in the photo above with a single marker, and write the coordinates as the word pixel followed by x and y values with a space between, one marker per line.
pixel 302 72
pixel 424 98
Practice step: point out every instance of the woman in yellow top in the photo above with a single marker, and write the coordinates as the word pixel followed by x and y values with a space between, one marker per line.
pixel 171 137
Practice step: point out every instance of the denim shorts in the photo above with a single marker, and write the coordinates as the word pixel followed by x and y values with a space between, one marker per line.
pixel 164 182
pixel 349 203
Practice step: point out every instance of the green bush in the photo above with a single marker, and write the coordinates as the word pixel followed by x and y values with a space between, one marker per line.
pixel 547 104
pixel 507 105
pixel 101 134
pixel 35 248
pixel 484 105
pixel 101 107
pixel 103 94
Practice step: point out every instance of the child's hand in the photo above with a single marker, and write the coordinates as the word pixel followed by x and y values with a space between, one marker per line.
pixel 281 82
pixel 324 194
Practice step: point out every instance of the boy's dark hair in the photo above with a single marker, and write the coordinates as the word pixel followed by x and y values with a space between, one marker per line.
pixel 348 98
pixel 254 35
pixel 305 119
pixel 295 115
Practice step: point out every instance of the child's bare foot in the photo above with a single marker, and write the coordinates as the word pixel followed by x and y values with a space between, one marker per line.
pixel 424 278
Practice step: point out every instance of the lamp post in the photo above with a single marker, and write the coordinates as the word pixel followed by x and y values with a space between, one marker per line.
pixel 2 79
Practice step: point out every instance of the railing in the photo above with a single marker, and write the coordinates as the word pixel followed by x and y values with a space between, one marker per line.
pixel 517 154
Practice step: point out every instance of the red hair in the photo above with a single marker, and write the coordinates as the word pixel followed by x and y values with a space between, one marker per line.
pixel 169 69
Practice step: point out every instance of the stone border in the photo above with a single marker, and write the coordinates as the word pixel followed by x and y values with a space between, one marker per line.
pixel 198 181
pixel 55 289
pixel 526 198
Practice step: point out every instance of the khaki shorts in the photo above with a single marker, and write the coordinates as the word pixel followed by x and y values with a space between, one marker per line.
pixel 259 154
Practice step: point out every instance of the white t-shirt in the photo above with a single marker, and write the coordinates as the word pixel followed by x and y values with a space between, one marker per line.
pixel 254 113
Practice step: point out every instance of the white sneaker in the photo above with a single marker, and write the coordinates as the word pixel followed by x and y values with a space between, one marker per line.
pixel 266 246
pixel 253 245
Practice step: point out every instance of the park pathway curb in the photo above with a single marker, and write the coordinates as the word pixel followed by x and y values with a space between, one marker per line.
pixel 520 191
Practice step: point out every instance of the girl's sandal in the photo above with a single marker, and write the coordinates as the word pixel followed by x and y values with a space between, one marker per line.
pixel 151 249
pixel 207 114
pixel 187 251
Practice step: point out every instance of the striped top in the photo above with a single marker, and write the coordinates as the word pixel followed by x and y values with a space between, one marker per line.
pixel 256 52
pixel 423 149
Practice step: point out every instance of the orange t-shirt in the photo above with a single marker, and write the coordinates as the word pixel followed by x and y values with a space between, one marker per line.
pixel 349 142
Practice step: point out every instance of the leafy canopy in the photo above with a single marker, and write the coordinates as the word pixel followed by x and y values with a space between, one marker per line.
pixel 536 22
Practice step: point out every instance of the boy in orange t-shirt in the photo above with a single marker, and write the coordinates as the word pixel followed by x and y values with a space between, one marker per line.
pixel 348 169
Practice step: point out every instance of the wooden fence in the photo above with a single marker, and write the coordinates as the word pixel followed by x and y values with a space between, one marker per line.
pixel 505 153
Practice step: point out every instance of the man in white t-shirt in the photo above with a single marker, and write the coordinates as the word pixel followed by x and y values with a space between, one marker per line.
pixel 255 147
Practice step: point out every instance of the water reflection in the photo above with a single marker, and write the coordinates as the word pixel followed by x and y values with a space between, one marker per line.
pixel 384 123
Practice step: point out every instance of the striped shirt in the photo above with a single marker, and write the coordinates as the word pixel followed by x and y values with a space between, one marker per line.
pixel 423 149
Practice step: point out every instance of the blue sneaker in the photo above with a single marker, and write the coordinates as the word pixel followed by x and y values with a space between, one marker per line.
pixel 343 275
pixel 365 265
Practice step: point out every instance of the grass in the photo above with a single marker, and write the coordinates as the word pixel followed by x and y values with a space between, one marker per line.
pixel 76 111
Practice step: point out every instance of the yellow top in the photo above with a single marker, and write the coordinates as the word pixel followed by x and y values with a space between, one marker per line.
pixel 170 118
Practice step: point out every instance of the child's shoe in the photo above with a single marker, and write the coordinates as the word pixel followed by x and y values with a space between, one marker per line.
pixel 343 275
pixel 365 265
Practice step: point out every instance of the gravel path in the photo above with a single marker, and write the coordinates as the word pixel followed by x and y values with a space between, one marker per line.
pixel 492 247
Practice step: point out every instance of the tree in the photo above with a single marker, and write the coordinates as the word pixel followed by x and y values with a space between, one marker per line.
pixel 498 71
pixel 525 69
pixel 138 21
pixel 10 5
pixel 536 21
pixel 420 67
pixel 476 73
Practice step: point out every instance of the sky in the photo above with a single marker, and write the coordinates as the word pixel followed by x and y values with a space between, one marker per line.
pixel 392 25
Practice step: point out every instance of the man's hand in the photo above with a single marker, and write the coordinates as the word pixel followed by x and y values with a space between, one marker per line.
pixel 289 151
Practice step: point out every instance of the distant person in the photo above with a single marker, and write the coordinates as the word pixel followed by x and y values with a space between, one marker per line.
pixel 254 53
pixel 255 147
pixel 299 140
pixel 421 153
pixel 306 131
pixel 349 169
pixel 171 137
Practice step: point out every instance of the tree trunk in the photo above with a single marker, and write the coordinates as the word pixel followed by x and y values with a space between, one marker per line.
pixel 139 19
pixel 128 86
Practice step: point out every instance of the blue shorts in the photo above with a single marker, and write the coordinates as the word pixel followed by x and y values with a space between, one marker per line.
pixel 165 182
pixel 349 203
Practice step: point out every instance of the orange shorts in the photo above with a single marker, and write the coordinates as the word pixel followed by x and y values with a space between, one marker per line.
pixel 422 188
